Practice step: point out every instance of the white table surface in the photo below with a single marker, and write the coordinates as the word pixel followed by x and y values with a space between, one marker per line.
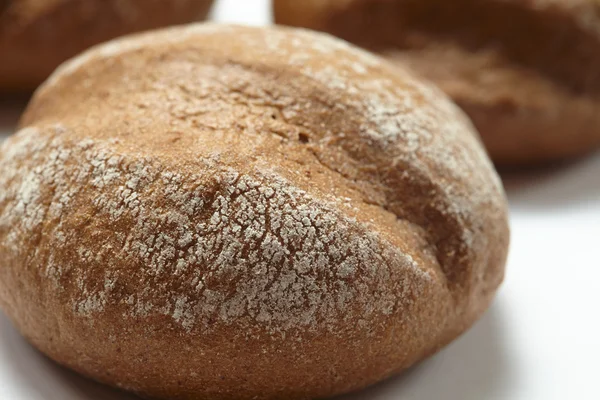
pixel 539 341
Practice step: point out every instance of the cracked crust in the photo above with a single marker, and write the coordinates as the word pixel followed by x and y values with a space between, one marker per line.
pixel 36 36
pixel 527 72
pixel 263 213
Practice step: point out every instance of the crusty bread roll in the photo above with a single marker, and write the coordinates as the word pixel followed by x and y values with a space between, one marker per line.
pixel 38 35
pixel 527 72
pixel 221 212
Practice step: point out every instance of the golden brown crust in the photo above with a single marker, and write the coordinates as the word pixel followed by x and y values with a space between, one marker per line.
pixel 263 213
pixel 526 71
pixel 38 35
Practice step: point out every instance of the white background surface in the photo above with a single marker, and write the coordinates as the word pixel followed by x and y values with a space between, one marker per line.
pixel 539 341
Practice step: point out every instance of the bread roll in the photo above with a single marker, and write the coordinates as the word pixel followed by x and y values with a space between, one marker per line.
pixel 38 35
pixel 262 213
pixel 526 72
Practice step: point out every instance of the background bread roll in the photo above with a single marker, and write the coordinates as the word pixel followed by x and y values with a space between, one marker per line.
pixel 37 35
pixel 526 72
pixel 262 213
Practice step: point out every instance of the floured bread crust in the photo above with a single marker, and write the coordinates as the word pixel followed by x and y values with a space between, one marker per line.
pixel 527 72
pixel 36 36
pixel 223 212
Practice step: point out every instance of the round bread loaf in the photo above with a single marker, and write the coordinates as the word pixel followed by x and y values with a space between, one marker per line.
pixel 38 35
pixel 527 72
pixel 221 212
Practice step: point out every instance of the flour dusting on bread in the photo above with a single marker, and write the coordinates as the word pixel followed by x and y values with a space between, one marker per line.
pixel 270 237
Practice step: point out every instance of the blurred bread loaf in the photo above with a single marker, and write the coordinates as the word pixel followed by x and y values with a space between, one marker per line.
pixel 527 72
pixel 37 35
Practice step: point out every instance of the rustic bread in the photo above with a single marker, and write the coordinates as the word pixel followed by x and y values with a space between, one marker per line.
pixel 37 35
pixel 527 72
pixel 262 213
